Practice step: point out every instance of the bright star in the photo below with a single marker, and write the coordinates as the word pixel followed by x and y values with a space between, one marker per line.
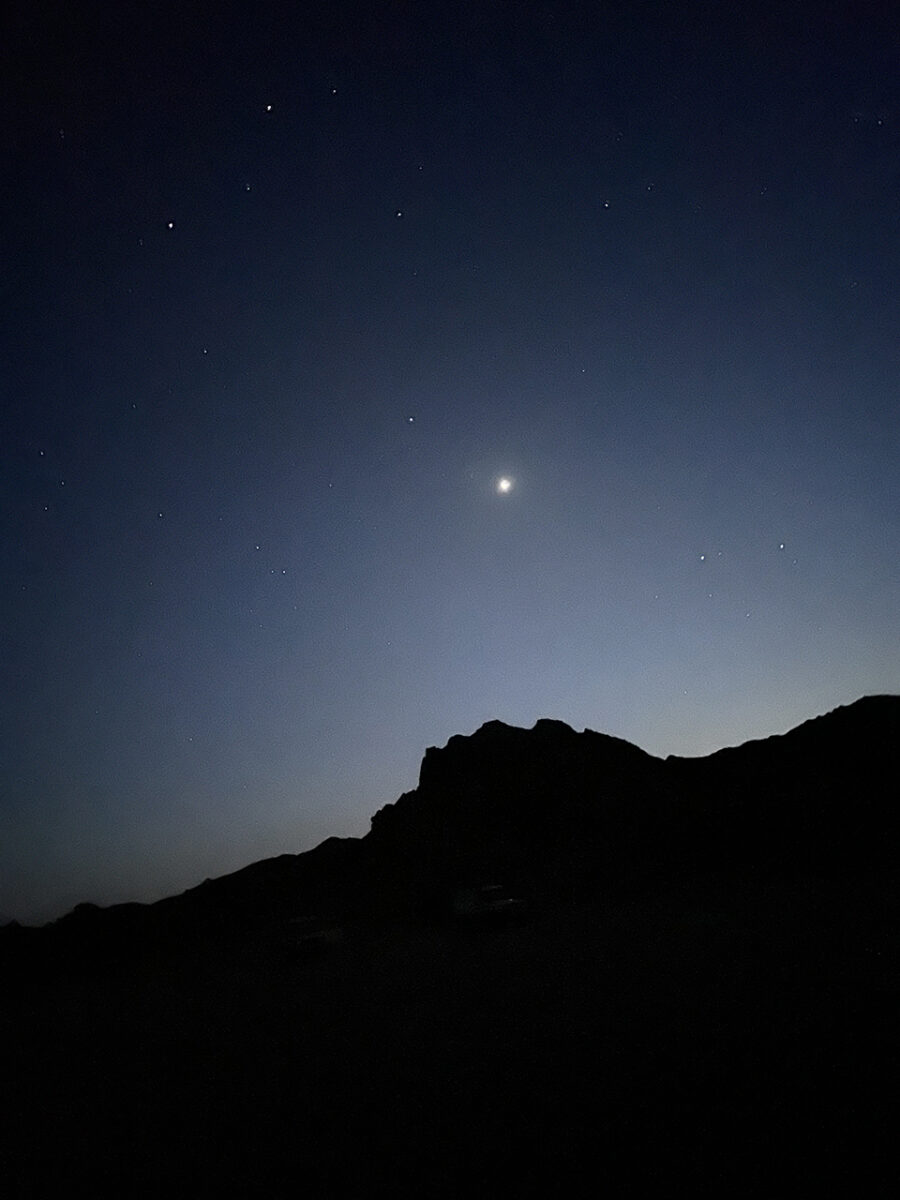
pixel 504 485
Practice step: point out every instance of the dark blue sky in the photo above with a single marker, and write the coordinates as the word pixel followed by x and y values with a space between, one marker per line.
pixel 288 289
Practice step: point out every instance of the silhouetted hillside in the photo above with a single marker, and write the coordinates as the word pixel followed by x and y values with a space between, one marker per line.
pixel 702 998
pixel 551 802
pixel 543 807
pixel 822 796
pixel 562 813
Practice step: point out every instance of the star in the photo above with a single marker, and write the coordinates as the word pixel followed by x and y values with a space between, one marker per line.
pixel 504 485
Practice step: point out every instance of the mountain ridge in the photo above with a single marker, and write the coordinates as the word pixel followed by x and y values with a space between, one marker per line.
pixel 550 802
pixel 705 965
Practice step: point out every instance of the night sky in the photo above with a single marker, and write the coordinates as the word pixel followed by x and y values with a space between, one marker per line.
pixel 288 292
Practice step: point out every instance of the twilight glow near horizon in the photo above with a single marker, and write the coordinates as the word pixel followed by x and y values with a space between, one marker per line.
pixel 374 371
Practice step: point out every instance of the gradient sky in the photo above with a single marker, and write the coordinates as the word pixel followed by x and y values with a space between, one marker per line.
pixel 288 289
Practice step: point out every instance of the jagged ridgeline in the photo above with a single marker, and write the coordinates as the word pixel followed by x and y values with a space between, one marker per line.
pixel 559 812
pixel 555 803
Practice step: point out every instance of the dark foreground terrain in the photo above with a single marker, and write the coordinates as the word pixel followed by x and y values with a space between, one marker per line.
pixel 734 1036
pixel 697 990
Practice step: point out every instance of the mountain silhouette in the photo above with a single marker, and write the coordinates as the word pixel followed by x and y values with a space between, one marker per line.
pixel 560 812
pixel 698 991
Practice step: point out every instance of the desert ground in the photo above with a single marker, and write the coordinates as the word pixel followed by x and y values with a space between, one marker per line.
pixel 737 1037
